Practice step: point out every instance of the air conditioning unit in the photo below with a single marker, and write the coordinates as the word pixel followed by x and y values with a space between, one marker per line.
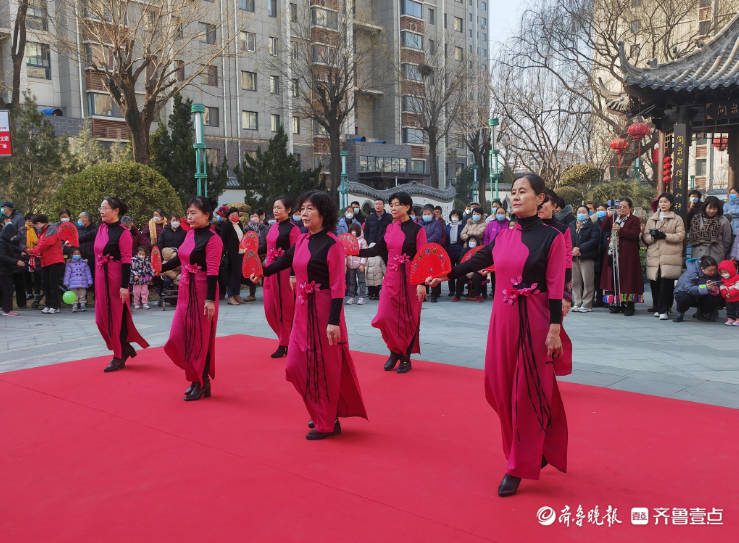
pixel 412 27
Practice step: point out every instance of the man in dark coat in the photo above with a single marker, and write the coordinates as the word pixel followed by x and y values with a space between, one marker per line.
pixel 376 223
pixel 87 231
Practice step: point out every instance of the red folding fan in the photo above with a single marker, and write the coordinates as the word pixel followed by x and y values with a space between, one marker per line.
pixel 251 265
pixel 184 224
pixel 250 241
pixel 469 254
pixel 156 260
pixel 350 244
pixel 431 260
pixel 67 232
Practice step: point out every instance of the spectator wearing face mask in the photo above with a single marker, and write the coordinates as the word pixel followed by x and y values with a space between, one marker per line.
pixel 342 226
pixel 585 237
pixel 731 207
pixel 298 221
pixel 231 234
pixel 172 234
pixel 10 264
pixel 698 287
pixel 86 230
pixel 356 285
pixel 598 217
pixel 13 216
pixel 78 278
pixel 358 215
pixel 496 226
pixel 475 226
pixel 454 243
pixel 474 279
pixel 154 229
pixel 434 234
pixel 695 205
pixel 730 291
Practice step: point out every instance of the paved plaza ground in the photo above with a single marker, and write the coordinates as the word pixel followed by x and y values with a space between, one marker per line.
pixel 692 360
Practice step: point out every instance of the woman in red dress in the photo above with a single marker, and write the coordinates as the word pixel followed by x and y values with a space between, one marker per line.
pixel 112 248
pixel 526 344
pixel 191 343
pixel 279 298
pixel 319 363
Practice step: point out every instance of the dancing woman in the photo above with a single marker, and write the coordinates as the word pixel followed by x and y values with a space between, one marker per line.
pixel 191 343
pixel 112 249
pixel 526 344
pixel 319 364
pixel 279 298
pixel 399 311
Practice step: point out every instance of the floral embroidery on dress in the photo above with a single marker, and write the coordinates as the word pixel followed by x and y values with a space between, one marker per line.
pixel 397 261
pixel 306 288
pixel 510 295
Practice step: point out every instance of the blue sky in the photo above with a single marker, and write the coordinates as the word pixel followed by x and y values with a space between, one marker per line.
pixel 504 19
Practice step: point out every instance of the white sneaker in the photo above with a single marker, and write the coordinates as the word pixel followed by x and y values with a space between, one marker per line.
pixel 137 307
pixel 83 307
pixel 45 310
pixel 585 310
pixel 146 306
pixel 576 308
pixel 656 314
pixel 664 316
pixel 350 301
pixel 360 301
pixel 74 308
pixel 53 311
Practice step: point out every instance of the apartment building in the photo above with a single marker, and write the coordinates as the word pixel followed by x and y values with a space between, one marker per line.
pixel 247 88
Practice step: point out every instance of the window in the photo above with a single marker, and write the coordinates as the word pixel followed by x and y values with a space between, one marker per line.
pixel 411 71
pixel 413 135
pixel 180 69
pixel 432 46
pixel 294 88
pixel 274 122
pixel 37 16
pixel 635 3
pixel 432 16
pixel 704 27
pixel 409 39
pixel 414 9
pixel 38 60
pixel 249 81
pixel 458 24
pixel 210 76
pixel 294 51
pixel 324 17
pixel 445 20
pixel 209 33
pixel 412 103
pixel 635 26
pixel 402 165
pixel 700 167
pixel 97 55
pixel 297 158
pixel 212 157
pixel 296 125
pixel 250 120
pixel 362 163
pixel 458 53
pixel 633 50
pixel 272 8
pixel 274 84
pixel 211 116
pixel 318 130
pixel 246 5
pixel 247 41
pixel 273 46
pixel 484 6
pixel 103 104
pixel 418 166
pixel 293 12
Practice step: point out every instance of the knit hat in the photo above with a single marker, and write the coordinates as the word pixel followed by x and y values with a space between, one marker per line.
pixel 8 204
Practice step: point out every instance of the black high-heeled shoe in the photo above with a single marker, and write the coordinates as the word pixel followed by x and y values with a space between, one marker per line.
pixel 508 486
pixel 199 391
pixel 311 424
pixel 390 364
pixel 115 365
pixel 544 462
pixel 188 390
pixel 280 352
pixel 315 435
pixel 405 365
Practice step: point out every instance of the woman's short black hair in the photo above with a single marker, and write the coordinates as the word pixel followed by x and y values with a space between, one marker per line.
pixel 428 207
pixel 707 262
pixel 287 202
pixel 43 219
pixel 712 201
pixel 160 211
pixel 695 192
pixel 456 212
pixel 117 203
pixel 402 197
pixel 627 200
pixel 324 204
pixel 354 227
pixel 477 210
pixel 667 195
pixel 203 205
pixel 28 217
pixel 536 182
pixel 142 248
pixel 64 211
pixel 378 199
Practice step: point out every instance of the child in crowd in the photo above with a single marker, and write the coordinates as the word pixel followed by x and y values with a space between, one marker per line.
pixel 374 275
pixel 475 279
pixel 141 275
pixel 730 291
pixel 78 278
pixel 355 266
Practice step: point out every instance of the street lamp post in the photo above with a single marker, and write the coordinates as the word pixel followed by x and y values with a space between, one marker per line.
pixel 475 194
pixel 201 176
pixel 343 198
pixel 493 153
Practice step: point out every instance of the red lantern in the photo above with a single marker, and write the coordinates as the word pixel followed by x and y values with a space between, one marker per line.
pixel 721 143
pixel 667 169
pixel 619 145
pixel 638 131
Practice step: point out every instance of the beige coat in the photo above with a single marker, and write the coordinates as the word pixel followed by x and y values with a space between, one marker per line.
pixel 473 228
pixel 665 256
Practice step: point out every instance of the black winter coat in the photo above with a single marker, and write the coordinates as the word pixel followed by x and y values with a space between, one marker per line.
pixel 87 236
pixel 374 227
pixel 171 237
pixel 588 240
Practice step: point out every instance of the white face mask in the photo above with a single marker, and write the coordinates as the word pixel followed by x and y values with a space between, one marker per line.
pixel 472 244
pixel 349 216
pixel 64 219
pixel 725 276
pixel 157 219
pixel 455 220
pixel 175 224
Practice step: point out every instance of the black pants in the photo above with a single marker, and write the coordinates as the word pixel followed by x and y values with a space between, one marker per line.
pixel 6 292
pixel 19 280
pixel 52 279
pixel 732 310
pixel 662 294
pixel 705 304
pixel 475 285
pixel 233 286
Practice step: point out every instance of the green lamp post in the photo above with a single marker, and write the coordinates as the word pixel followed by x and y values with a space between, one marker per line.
pixel 492 123
pixel 343 197
pixel 201 176
pixel 475 194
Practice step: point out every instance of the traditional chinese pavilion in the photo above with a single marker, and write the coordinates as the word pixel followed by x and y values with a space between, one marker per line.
pixel 698 93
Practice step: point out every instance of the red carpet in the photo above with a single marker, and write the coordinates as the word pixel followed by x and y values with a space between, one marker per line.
pixel 88 456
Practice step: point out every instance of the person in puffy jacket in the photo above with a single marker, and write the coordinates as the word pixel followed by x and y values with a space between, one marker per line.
pixel 78 278
pixel 496 225
pixel 731 207
pixel 730 291
pixel 356 285
pixel 699 286
pixel 10 262
pixel 585 236
pixel 49 248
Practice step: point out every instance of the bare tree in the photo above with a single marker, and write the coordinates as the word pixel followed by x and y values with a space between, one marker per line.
pixel 17 52
pixel 140 51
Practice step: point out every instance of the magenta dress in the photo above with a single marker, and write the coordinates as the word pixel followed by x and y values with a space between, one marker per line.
pixel 399 311
pixel 279 298
pixel 112 249
pixel 323 374
pixel 520 382
pixel 191 343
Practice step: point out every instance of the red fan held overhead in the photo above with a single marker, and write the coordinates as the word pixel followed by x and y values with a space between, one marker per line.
pixel 250 241
pixel 156 260
pixel 350 244
pixel 619 145
pixel 67 232
pixel 251 265
pixel 431 260
pixel 469 254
